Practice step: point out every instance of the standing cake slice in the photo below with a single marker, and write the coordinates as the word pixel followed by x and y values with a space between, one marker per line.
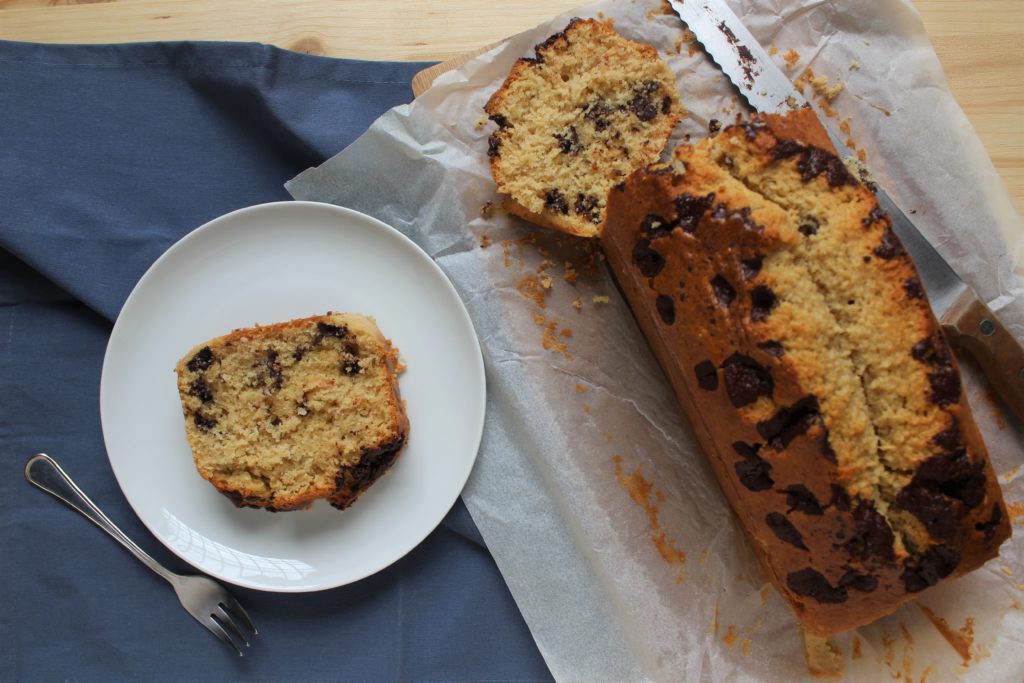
pixel 280 415
pixel 576 119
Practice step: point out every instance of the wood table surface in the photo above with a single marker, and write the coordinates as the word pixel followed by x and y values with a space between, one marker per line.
pixel 980 42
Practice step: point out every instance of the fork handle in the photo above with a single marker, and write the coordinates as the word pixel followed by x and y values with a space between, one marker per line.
pixel 43 472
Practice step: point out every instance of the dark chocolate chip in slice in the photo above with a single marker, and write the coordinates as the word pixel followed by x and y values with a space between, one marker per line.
pixel 750 267
pixel 865 583
pixel 772 348
pixel 889 246
pixel 989 528
pixel 789 422
pixel 723 291
pixel 762 301
pixel 201 361
pixel 945 386
pixel 689 210
pixel 201 390
pixel 648 260
pixel 745 380
pixel 707 375
pixel 810 583
pixel 840 498
pixel 666 308
pixel 913 288
pixel 569 141
pixel 950 438
pixel 204 422
pixel 941 516
pixel 799 498
pixel 927 570
pixel 554 200
pixel 873 536
pixel 784 529
pixel 324 330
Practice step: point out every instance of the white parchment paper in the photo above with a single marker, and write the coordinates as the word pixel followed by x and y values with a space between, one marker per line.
pixel 590 490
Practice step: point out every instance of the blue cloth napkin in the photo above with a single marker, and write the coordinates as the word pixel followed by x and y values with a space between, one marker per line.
pixel 108 155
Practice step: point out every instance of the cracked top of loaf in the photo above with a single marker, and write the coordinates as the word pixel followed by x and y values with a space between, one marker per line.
pixel 801 345
pixel 578 117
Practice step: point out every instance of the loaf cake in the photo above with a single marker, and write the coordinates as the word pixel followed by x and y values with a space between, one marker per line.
pixel 280 415
pixel 578 117
pixel 802 348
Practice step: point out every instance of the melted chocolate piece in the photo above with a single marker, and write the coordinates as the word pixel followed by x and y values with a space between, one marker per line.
pixel 809 226
pixel 350 368
pixel 940 515
pixel 643 104
pixel 324 330
pixel 810 583
pixel 913 288
pixel 784 529
pixel 554 200
pixel 707 375
pixel 872 535
pixel 786 149
pixel 865 583
pixel 750 267
pixel 772 348
pixel 954 475
pixel 569 141
pixel 921 572
pixel 586 205
pixel 826 447
pixel 989 528
pixel 201 361
pixel 493 145
pixel 723 291
pixel 273 368
pixel 762 301
pixel 876 215
pixel 666 308
pixel 949 438
pixel 889 246
pixel 789 422
pixel 599 113
pixel 689 210
pixel 299 353
pixel 753 471
pixel 649 261
pixel 815 161
pixel 800 499
pixel 356 478
pixel 666 104
pixel 501 120
pixel 201 390
pixel 945 385
pixel 840 498
pixel 745 380
pixel 714 125
pixel 203 422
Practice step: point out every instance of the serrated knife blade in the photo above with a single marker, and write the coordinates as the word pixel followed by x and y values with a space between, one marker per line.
pixel 966 319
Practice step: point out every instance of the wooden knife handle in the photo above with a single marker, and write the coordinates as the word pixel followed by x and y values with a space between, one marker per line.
pixel 972 326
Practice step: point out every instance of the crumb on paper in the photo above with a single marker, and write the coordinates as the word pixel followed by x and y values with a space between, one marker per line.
pixel 844 126
pixel 765 591
pixel 640 491
pixel 485 241
pixel 570 275
pixel 601 299
pixel 566 332
pixel 745 647
pixel 531 288
pixel 855 65
pixel 1007 570
pixel 908 650
pixel 791 58
pixel 997 412
pixel 582 388
pixel 856 654
pixel 1015 510
pixel 703 556
pixel 824 660
pixel 545 280
pixel 680 40
pixel 851 144
pixel 488 210
pixel 577 303
pixel 586 408
pixel 862 156
pixel 773 50
pixel 480 122
pixel 730 636
pixel 829 91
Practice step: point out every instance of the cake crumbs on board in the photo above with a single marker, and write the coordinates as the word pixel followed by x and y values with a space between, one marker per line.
pixel 600 299
pixel 791 58
pixel 641 491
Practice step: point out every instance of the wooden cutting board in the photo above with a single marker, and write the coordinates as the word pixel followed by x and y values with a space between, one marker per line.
pixel 424 79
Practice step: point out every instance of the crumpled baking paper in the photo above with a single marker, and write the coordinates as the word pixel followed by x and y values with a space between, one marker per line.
pixel 590 490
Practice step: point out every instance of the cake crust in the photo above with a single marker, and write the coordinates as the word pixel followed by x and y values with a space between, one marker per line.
pixel 280 415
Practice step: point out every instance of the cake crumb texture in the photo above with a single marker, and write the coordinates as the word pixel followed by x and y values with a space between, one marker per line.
pixel 280 415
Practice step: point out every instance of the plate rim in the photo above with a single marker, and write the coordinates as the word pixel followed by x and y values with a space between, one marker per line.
pixel 348 213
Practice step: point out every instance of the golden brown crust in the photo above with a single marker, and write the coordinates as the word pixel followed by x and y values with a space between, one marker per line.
pixel 351 480
pixel 707 284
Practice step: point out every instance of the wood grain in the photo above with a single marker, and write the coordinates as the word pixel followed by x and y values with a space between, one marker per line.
pixel 980 42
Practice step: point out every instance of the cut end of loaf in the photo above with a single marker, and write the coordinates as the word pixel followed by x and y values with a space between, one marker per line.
pixel 281 415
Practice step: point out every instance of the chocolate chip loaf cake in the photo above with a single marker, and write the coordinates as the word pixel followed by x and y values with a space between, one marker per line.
pixel 575 119
pixel 280 415
pixel 801 346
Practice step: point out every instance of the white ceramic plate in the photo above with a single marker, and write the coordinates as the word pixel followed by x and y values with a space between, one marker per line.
pixel 265 264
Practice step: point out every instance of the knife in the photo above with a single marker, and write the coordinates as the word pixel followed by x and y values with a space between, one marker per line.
pixel 966 320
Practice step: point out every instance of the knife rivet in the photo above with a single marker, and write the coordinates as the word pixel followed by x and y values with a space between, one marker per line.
pixel 987 327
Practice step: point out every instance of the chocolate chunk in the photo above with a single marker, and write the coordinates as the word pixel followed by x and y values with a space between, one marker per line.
pixel 723 291
pixel 689 210
pixel 954 475
pixel 722 214
pixel 666 104
pixel 299 353
pixel 913 288
pixel 666 308
pixel 273 369
pixel 876 215
pixel 789 422
pixel 203 422
pixel 772 348
pixel 350 368
pixel 865 583
pixel 373 463
pixel 787 148
pixel 493 145
pixel 800 499
pixel 642 105
pixel 201 361
pixel 714 125
pixel 810 583
pixel 324 330
pixel 599 113
pixel 707 375
pixel 656 226
pixel 815 161
pixel 501 120
pixel 989 528
pixel 784 529
pixel 809 226
pixel 945 384
pixel 889 246
pixel 921 572
pixel 949 438
pixel 554 200
pixel 649 261
pixel 750 267
pixel 569 141
pixel 753 471
pixel 940 515
pixel 275 421
pixel 840 498
pixel 872 535
pixel 586 205
pixel 826 447
pixel 201 390
pixel 923 350
pixel 745 380
pixel 762 301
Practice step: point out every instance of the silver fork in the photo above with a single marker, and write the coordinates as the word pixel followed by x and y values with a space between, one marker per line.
pixel 202 597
